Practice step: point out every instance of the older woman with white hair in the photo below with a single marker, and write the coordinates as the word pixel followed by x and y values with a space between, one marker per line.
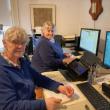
pixel 18 80
pixel 48 54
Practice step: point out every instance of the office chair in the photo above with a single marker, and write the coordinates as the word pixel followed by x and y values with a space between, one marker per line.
pixel 59 39
pixel 29 47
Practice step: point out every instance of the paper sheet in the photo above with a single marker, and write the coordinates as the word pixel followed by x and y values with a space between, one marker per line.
pixel 63 97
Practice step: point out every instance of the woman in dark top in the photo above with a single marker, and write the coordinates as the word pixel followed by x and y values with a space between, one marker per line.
pixel 48 54
pixel 18 80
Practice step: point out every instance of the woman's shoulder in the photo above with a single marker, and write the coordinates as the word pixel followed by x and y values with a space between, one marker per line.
pixel 44 42
pixel 43 39
pixel 25 61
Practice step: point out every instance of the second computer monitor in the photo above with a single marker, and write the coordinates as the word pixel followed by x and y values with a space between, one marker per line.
pixel 1 43
pixel 89 40
pixel 106 58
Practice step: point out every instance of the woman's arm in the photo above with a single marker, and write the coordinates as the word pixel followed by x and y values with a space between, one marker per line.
pixel 47 54
pixel 9 99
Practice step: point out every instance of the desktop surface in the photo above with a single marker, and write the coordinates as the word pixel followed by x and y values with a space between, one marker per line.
pixel 81 102
pixel 77 102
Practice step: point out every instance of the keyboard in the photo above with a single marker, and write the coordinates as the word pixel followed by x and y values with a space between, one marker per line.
pixel 76 53
pixel 67 75
pixel 84 61
pixel 94 97
pixel 70 76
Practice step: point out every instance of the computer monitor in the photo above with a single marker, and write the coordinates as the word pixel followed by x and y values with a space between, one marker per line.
pixel 2 31
pixel 1 43
pixel 89 40
pixel 106 58
pixel 5 28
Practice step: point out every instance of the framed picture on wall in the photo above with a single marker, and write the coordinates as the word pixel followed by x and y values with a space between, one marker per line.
pixel 41 13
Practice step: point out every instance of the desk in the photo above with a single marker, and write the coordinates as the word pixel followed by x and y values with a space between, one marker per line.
pixel 69 42
pixel 79 104
pixel 68 39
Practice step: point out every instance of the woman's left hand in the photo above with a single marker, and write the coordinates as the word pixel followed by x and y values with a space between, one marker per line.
pixel 66 89
pixel 67 54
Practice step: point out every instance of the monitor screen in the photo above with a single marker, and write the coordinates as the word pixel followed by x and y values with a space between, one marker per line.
pixel 5 28
pixel 1 43
pixel 106 58
pixel 89 40
pixel 2 31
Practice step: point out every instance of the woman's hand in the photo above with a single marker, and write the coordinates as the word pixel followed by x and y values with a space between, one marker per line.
pixel 66 89
pixel 52 103
pixel 68 59
pixel 67 54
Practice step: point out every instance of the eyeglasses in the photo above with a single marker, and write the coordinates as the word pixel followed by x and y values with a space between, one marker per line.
pixel 18 43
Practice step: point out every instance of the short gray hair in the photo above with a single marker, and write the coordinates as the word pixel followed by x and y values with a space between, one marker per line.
pixel 47 23
pixel 16 35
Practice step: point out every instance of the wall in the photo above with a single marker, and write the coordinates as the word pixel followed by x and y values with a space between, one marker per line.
pixel 67 16
pixel 71 15
pixel 103 22
pixel 5 12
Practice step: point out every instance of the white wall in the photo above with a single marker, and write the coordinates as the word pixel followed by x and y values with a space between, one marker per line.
pixel 5 12
pixel 71 15
pixel 103 22
pixel 67 14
